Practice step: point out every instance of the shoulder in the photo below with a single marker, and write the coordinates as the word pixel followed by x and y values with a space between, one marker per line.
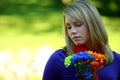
pixel 116 56
pixel 59 52
pixel 53 66
pixel 56 60
pixel 57 56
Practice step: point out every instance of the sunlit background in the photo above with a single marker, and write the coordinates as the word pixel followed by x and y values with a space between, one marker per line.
pixel 31 30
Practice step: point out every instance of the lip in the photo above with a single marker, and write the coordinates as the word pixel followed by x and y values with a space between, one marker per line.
pixel 76 37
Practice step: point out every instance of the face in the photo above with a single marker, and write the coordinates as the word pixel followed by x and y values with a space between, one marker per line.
pixel 77 31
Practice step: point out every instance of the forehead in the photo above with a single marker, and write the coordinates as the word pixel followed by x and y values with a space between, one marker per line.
pixel 69 19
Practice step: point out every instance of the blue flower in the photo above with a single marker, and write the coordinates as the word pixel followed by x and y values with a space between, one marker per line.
pixel 74 59
pixel 84 56
pixel 88 75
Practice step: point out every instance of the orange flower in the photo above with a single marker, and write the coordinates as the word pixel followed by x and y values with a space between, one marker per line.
pixel 99 60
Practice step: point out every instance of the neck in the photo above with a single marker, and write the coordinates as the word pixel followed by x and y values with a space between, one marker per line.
pixel 79 48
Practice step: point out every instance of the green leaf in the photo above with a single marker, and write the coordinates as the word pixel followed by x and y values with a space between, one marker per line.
pixel 67 61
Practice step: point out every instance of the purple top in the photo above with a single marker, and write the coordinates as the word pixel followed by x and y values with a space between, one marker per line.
pixel 55 68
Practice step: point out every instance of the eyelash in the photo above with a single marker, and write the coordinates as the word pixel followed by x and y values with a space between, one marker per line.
pixel 68 27
pixel 77 25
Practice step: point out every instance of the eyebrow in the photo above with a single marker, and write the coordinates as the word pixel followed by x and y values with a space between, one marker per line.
pixel 66 24
pixel 78 21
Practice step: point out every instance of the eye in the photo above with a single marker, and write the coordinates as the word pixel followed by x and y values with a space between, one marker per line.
pixel 68 26
pixel 78 24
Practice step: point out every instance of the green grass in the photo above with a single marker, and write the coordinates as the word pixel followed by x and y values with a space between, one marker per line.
pixel 32 31
pixel 113 29
pixel 17 31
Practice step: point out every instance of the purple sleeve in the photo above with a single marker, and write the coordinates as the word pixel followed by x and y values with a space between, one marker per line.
pixel 118 59
pixel 111 71
pixel 51 71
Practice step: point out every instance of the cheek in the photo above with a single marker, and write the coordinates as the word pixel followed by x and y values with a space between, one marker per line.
pixel 83 31
pixel 86 33
pixel 68 32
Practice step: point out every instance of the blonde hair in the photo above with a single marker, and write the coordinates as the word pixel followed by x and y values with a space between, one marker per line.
pixel 89 15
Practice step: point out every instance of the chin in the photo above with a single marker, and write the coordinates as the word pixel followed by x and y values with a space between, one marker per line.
pixel 78 44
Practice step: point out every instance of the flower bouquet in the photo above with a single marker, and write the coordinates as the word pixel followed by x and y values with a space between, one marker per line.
pixel 86 64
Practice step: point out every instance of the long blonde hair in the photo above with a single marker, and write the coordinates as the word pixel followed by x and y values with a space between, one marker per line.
pixel 89 15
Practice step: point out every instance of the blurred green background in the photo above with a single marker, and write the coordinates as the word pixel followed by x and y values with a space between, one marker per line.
pixel 31 24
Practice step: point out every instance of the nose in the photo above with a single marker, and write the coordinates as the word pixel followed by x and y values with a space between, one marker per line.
pixel 73 31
